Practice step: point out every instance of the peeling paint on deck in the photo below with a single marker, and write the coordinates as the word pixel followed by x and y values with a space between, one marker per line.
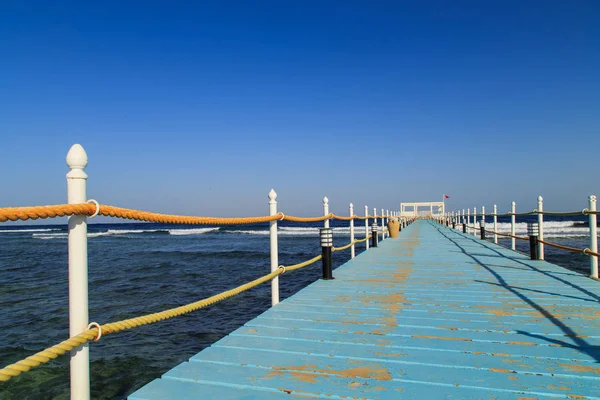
pixel 432 314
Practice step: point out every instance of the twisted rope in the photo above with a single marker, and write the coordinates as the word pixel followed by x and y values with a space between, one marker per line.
pixel 339 217
pixel 307 219
pixel 73 342
pixel 62 210
pixel 508 235
pixel 344 247
pixel 568 248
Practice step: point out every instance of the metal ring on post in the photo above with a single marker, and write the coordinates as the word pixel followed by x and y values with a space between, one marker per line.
pixel 282 216
pixel 585 251
pixel 283 268
pixel 585 211
pixel 97 325
pixel 92 201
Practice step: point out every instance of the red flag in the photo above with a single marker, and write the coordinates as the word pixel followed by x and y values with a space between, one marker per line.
pixel 446 196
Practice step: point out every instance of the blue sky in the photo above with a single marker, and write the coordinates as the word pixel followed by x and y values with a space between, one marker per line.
pixel 198 108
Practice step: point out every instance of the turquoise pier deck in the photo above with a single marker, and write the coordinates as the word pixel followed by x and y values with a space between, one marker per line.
pixel 432 314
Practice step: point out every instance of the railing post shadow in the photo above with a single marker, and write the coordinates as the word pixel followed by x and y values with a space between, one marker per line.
pixel 274 247
pixel 77 160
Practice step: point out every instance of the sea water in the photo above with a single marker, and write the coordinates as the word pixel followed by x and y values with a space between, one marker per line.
pixel 141 268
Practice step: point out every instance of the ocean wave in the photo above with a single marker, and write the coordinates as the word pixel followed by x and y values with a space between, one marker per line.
pixel 29 230
pixel 121 232
pixel 301 231
pixel 551 228
pixel 110 232
pixel 193 231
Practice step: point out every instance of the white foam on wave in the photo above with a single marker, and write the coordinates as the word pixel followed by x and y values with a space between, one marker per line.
pixel 28 230
pixel 193 231
pixel 551 228
pixel 302 231
pixel 110 232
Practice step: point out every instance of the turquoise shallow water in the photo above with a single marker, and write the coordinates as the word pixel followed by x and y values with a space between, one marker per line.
pixel 136 269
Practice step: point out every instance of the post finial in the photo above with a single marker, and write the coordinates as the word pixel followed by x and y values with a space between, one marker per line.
pixel 325 200
pixel 77 157
pixel 272 194
pixel 540 199
pixel 77 160
pixel 592 198
pixel 514 203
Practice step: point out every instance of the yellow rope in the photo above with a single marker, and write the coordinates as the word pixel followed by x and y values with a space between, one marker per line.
pixel 343 247
pixel 303 264
pixel 362 240
pixel 339 217
pixel 65 346
pixel 307 219
pixel 61 210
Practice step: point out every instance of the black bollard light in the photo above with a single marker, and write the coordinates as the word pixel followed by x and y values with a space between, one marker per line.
pixel 453 224
pixel 374 238
pixel 533 233
pixel 326 235
pixel 482 228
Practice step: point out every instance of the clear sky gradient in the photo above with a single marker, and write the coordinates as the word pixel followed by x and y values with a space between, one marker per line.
pixel 199 108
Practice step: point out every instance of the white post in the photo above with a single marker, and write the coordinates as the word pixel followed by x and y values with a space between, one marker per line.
pixel 513 227
pixel 326 211
pixel 468 220
pixel 382 225
pixel 593 222
pixel 352 251
pixel 367 226
pixel 495 224
pixel 540 227
pixel 474 221
pixel 274 250
pixel 78 273
pixel 463 216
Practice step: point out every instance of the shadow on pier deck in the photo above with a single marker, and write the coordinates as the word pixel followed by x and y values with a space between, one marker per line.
pixel 432 314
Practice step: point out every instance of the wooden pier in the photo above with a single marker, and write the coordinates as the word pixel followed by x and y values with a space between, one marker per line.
pixel 432 314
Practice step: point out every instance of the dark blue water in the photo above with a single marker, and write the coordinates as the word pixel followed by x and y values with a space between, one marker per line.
pixel 136 269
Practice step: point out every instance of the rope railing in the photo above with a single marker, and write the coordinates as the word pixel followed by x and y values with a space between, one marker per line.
pixel 66 210
pixel 585 211
pixel 536 228
pixel 563 247
pixel 80 208
pixel 92 334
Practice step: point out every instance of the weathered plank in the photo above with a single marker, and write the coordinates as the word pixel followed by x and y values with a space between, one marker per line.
pixel 432 314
